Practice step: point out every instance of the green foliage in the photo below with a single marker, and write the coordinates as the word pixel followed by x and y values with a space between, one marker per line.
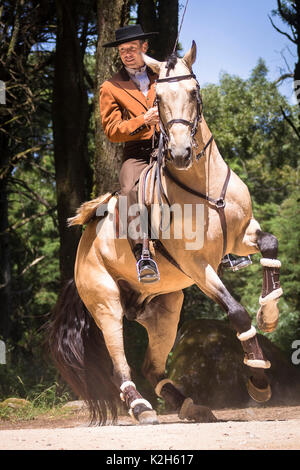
pixel 246 119
pixel 38 402
pixel 35 276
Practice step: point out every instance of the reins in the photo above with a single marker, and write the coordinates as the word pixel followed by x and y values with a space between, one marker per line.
pixel 218 204
pixel 177 39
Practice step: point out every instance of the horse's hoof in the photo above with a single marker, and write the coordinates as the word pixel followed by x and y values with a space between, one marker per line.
pixel 197 413
pixel 145 416
pixel 148 417
pixel 261 395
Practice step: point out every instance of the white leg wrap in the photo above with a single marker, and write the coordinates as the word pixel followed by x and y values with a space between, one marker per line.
pixel 140 401
pixel 274 295
pixel 247 334
pixel 160 385
pixel 126 384
pixel 257 363
pixel 270 263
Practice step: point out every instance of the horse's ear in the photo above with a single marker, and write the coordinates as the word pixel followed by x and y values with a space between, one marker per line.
pixel 152 63
pixel 190 56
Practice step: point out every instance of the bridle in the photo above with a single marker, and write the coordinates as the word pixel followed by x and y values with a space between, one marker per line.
pixel 218 204
pixel 193 125
pixel 164 137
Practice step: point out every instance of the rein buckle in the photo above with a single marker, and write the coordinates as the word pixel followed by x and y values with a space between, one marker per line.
pixel 220 203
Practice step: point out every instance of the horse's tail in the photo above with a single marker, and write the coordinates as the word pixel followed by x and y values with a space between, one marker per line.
pixel 88 210
pixel 79 352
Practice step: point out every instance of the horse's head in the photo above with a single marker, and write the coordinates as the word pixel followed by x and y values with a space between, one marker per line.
pixel 178 98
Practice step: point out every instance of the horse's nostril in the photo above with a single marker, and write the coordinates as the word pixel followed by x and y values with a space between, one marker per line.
pixel 182 158
pixel 188 153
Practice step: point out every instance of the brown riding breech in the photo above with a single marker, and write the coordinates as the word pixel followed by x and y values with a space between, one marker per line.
pixel 136 158
pixel 129 175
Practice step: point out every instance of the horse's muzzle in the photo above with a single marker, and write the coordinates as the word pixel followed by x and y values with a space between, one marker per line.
pixel 182 160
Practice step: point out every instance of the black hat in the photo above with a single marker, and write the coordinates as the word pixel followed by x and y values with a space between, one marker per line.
pixel 129 33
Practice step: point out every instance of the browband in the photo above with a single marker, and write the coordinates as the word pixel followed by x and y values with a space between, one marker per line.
pixel 176 79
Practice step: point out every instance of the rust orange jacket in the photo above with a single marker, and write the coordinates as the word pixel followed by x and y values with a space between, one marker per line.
pixel 122 108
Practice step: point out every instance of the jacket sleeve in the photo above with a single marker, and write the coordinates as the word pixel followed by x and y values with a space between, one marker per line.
pixel 116 128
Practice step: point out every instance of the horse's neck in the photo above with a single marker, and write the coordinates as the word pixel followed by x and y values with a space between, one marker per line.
pixel 208 173
pixel 202 138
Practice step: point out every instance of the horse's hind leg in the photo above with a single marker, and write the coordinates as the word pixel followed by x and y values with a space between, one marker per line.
pixel 268 313
pixel 258 385
pixel 102 297
pixel 160 318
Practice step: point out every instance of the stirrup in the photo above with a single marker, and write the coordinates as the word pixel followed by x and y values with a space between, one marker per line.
pixel 235 264
pixel 151 273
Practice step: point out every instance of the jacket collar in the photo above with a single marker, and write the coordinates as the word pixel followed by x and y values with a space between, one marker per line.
pixel 125 76
pixel 130 87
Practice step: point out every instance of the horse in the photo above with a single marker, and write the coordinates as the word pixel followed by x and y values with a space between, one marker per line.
pixel 86 331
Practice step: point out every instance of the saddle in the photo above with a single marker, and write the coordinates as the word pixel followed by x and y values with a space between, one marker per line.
pixel 149 180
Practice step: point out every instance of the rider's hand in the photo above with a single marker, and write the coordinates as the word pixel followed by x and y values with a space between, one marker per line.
pixel 151 116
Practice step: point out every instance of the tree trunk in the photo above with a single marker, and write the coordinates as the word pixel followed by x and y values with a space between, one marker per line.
pixel 167 27
pixel 70 123
pixel 160 16
pixel 147 18
pixel 108 155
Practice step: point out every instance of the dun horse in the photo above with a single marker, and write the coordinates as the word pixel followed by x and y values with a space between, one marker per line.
pixel 86 333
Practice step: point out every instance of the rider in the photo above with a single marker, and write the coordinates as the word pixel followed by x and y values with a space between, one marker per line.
pixel 128 115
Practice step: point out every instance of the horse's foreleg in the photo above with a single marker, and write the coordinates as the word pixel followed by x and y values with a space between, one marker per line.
pixel 268 314
pixel 255 240
pixel 211 285
pixel 103 301
pixel 160 318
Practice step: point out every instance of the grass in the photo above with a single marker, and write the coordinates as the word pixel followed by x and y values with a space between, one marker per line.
pixel 38 404
pixel 31 412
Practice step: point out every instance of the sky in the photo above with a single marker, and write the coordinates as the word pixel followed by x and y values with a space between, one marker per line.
pixel 231 35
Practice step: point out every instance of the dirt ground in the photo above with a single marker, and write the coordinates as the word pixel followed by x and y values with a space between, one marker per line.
pixel 250 428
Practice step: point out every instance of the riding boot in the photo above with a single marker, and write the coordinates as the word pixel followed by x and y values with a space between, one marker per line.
pixel 235 263
pixel 146 267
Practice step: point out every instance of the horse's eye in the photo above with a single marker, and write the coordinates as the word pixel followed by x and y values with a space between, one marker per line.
pixel 193 94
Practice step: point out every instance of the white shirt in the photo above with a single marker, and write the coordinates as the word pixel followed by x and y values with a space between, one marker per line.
pixel 140 78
